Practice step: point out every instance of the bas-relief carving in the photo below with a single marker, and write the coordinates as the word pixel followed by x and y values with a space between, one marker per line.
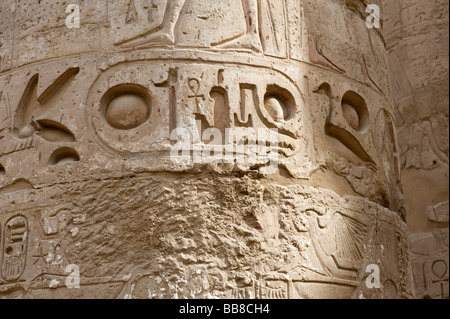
pixel 439 213
pixel 30 122
pixel 429 254
pixel 364 137
pixel 436 279
pixel 262 29
pixel 345 241
pixel 247 104
pixel 6 35
pixel 173 8
pixel 424 160
pixel 359 54
pixel 14 248
pixel 252 85
pixel 420 93
pixel 227 96
pixel 35 255
pixel 427 144
pixel 325 247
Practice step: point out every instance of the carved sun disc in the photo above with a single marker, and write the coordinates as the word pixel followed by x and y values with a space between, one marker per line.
pixel 127 111
pixel 351 115
pixel 275 108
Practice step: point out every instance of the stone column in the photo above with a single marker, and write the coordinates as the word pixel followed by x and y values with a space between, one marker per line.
pixel 417 41
pixel 109 187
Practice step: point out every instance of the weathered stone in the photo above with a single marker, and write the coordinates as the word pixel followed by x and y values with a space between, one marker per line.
pixel 94 177
pixel 416 34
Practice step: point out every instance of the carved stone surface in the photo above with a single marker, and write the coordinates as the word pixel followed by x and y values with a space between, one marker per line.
pixel 416 34
pixel 430 264
pixel 88 176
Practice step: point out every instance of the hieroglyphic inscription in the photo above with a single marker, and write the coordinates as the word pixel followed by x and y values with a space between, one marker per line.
pixel 14 250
